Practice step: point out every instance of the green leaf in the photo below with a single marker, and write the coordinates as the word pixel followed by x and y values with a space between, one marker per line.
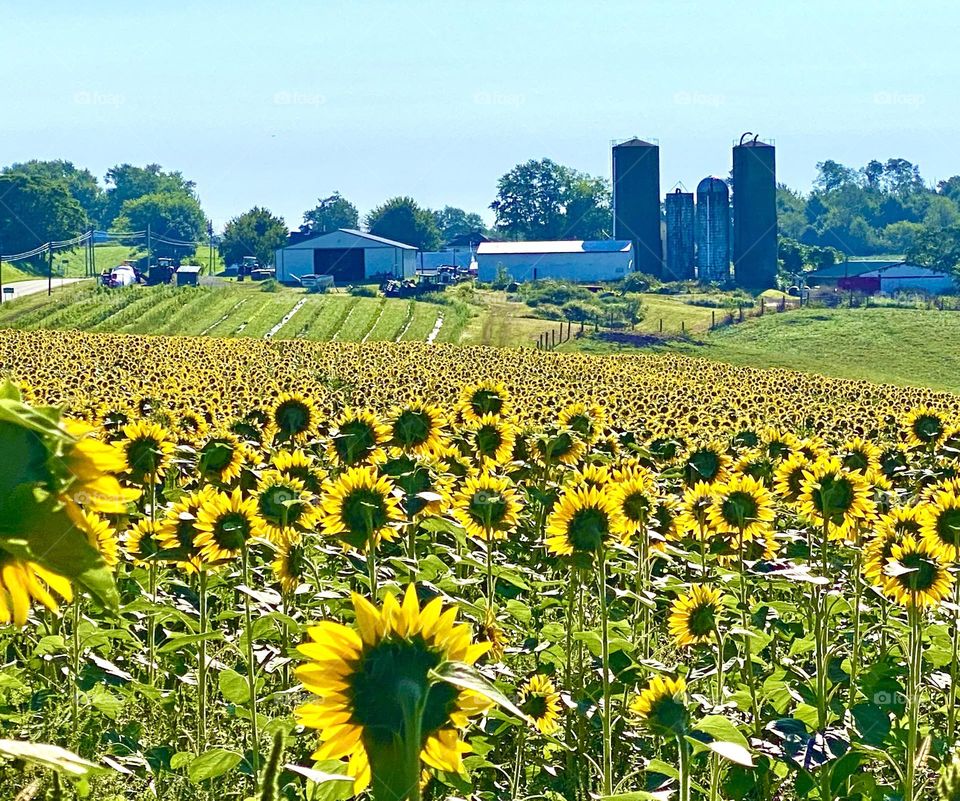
pixel 176 642
pixel 732 751
pixel 49 756
pixel 318 776
pixel 104 701
pixel 213 763
pixel 467 677
pixel 637 795
pixel 329 790
pixel 180 760
pixel 9 391
pixel 234 687
pixel 722 729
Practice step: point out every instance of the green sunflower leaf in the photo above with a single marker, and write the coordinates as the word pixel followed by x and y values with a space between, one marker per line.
pixel 49 756
pixel 211 764
pixel 467 677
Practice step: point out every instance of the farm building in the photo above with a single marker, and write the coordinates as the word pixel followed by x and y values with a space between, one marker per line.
pixel 348 256
pixel 874 275
pixel 574 260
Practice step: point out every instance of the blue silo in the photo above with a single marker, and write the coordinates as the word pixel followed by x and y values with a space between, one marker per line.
pixel 713 230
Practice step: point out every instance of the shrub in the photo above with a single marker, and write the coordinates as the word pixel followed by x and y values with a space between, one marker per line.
pixel 270 285
pixel 362 291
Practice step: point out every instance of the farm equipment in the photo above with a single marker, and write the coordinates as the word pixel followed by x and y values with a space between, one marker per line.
pixel 162 272
pixel 246 267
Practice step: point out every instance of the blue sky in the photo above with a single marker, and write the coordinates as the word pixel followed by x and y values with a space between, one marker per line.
pixel 279 103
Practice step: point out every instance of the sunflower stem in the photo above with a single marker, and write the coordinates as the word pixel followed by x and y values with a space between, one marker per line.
pixel 75 670
pixel 855 650
pixel 605 659
pixel 954 659
pixel 372 568
pixel 202 667
pixel 684 768
pixel 913 700
pixel 151 632
pixel 251 670
pixel 488 544
pixel 747 645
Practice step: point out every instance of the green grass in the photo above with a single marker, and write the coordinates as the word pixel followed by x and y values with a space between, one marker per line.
pixel 897 346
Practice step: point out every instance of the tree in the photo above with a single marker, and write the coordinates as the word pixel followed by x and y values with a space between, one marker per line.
pixel 331 213
pixel 127 182
pixel 950 188
pixel 254 233
pixel 901 178
pixel 832 175
pixel 872 174
pixel 170 215
pixel 545 200
pixel 34 210
pixel 80 183
pixel 937 248
pixel 403 220
pixel 454 222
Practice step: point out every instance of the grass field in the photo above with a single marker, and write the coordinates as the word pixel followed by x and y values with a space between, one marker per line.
pixel 897 346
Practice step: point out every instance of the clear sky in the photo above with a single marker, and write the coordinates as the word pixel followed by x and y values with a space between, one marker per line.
pixel 278 103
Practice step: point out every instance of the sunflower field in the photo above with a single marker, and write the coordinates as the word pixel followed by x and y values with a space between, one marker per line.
pixel 245 569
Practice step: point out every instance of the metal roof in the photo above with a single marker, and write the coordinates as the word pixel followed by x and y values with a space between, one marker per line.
pixel 851 269
pixel 555 246
pixel 189 268
pixel 353 232
pixel 635 142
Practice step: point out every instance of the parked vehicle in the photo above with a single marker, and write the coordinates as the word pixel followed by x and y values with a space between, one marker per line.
pixel 123 275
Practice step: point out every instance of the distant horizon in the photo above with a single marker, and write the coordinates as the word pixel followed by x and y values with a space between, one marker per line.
pixel 279 106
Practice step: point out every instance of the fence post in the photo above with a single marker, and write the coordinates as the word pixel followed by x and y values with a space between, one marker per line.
pixel 783 303
pixel 661 325
pixel 569 325
pixel 581 326
pixel 683 326
pixel 713 318
pixel 740 308
pixel 763 305
pixel 553 338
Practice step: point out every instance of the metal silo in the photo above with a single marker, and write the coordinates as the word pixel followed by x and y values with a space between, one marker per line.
pixel 754 213
pixel 680 222
pixel 713 230
pixel 636 202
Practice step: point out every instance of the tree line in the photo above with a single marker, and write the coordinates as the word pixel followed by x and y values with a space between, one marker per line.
pixel 882 208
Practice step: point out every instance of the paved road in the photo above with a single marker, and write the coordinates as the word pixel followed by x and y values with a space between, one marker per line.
pixel 34 285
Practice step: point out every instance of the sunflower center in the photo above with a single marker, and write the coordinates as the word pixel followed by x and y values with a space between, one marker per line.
pixel 412 428
pixel 354 441
pixel 587 529
pixel 702 620
pixel 292 417
pixel 535 706
pixel 488 440
pixel 739 509
pixel 364 511
pixel 927 428
pixel 834 497
pixel 488 508
pixel 667 714
pixel 581 424
pixel 231 531
pixel 703 466
pixel 636 506
pixel 216 456
pixel 280 504
pixel 920 572
pixel 948 527
pixel 856 460
pixel 486 401
pixel 143 455
pixel 385 673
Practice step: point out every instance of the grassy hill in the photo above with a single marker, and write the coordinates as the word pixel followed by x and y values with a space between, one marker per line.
pixel 897 346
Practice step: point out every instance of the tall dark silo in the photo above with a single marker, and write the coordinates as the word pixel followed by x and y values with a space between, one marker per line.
pixel 754 213
pixel 680 221
pixel 636 202
pixel 713 230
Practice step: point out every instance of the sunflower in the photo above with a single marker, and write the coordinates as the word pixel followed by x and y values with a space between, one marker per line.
pixel 662 706
pixel 417 427
pixel 358 438
pixel 360 508
pixel 141 542
pixel 940 523
pixel 482 399
pixel 487 506
pixel 741 506
pixel 586 420
pixel 559 447
pixel 147 448
pixel 916 575
pixel 635 499
pixel 540 702
pixel 694 511
pixel 100 535
pixel 220 459
pixel 591 475
pixel 489 439
pixel 22 582
pixel 92 466
pixel 177 533
pixel 191 425
pixel 300 465
pixel 293 417
pixel 925 427
pixel 583 522
pixel 706 463
pixel 890 529
pixel 788 477
pixel 859 454
pixel 364 676
pixel 225 524
pixel 833 495
pixel 425 485
pixel 695 616
pixel 283 506
pixel 290 566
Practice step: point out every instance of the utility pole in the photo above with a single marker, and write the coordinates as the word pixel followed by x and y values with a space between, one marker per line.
pixel 149 248
pixel 1 272
pixel 49 270
pixel 210 233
